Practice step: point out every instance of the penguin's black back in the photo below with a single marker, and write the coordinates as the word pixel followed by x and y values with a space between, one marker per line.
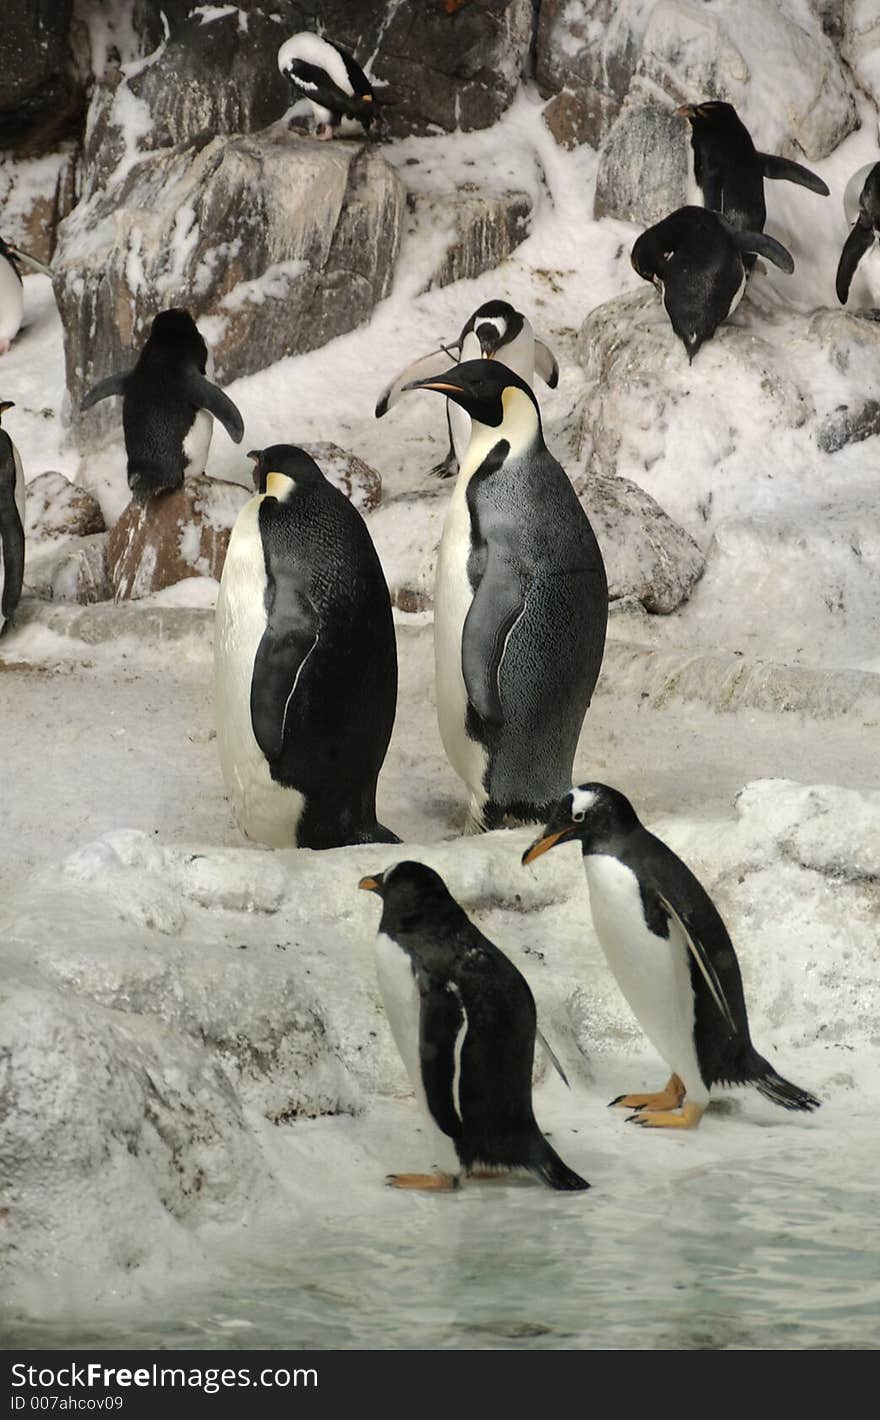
pixel 701 276
pixel 158 409
pixel 729 170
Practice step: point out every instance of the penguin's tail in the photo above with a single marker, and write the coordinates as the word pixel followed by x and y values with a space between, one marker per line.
pixel 550 1169
pixel 779 1091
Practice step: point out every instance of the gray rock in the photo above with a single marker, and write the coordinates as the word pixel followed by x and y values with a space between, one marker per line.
pixel 643 166
pixel 359 481
pixel 58 508
pixel 592 50
pixel 849 425
pixel 275 243
pixel 569 120
pixel 860 45
pixel 484 229
pixel 74 570
pixel 40 91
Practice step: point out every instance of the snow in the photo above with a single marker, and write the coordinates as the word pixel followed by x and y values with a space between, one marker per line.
pixel 207 1097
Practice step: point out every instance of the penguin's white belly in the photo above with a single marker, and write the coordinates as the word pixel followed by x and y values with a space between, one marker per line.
pixel 652 972
pixel 738 295
pixel 452 600
pixel 264 810
pixel 11 302
pixel 400 996
pixel 869 269
pixel 197 443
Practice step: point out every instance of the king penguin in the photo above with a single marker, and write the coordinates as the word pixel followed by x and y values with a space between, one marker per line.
pixel 729 171
pixel 463 1018
pixel 305 662
pixel 520 604
pixel 696 259
pixel 495 331
pixel 168 401
pixel 12 290
pixel 11 525
pixel 671 956
pixel 861 203
pixel 330 81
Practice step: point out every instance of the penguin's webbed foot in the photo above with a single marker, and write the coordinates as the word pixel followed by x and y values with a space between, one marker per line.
pixel 688 1117
pixel 446 468
pixel 428 1182
pixel 670 1097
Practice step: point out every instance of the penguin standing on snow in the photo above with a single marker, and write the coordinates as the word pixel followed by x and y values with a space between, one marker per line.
pixel 696 259
pixel 11 525
pixel 861 203
pixel 495 331
pixel 671 957
pixel 328 78
pixel 12 290
pixel 728 169
pixel 168 402
pixel 463 1018
pixel 520 604
pixel 305 662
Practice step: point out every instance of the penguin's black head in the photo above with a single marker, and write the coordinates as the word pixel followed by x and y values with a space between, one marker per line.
pixel 176 330
pixel 414 899
pixel 287 460
pixel 485 389
pixel 495 324
pixel 594 814
pixel 713 118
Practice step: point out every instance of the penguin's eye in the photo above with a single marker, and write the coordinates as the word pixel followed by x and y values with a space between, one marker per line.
pixel 579 816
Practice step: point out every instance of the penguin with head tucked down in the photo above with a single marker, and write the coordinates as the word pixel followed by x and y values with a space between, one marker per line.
pixel 495 331
pixel 330 81
pixel 463 1018
pixel 305 662
pixel 12 290
pixel 11 525
pixel 671 956
pixel 861 203
pixel 696 259
pixel 168 402
pixel 729 171
pixel 520 604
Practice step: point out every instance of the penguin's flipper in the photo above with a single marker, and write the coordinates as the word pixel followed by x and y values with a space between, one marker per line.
pixel 314 83
pixel 546 365
pixel 204 395
pixel 784 169
pixel 704 962
pixel 291 635
pixel 554 1061
pixel 763 245
pixel 12 540
pixel 437 363
pixel 498 604
pixel 442 1021
pixel 114 384
pixel 860 240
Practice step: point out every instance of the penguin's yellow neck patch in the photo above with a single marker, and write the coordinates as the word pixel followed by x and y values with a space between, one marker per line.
pixel 519 427
pixel 279 486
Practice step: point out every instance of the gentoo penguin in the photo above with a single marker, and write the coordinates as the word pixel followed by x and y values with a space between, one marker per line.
pixel 494 331
pixel 861 203
pixel 696 259
pixel 305 662
pixel 520 604
pixel 728 169
pixel 12 290
pixel 167 403
pixel 328 78
pixel 11 525
pixel 463 1019
pixel 671 956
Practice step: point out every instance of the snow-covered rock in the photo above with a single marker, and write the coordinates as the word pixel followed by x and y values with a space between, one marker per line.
pixel 860 45
pixel 70 570
pixel 483 229
pixel 36 193
pixel 591 48
pixel 360 483
pixel 58 508
pixel 643 167
pixel 184 533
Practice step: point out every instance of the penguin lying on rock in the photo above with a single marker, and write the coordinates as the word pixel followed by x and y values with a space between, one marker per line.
pixel 495 331
pixel 861 203
pixel 12 290
pixel 696 259
pixel 671 957
pixel 11 525
pixel 463 1018
pixel 331 82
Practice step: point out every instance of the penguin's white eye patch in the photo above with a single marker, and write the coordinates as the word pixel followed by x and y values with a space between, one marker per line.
pixel 582 800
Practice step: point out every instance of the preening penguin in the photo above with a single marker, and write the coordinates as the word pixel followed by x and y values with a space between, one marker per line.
pixel 494 331
pixel 11 525
pixel 305 662
pixel 463 1018
pixel 861 203
pixel 329 79
pixel 671 956
pixel 696 259
pixel 12 290
pixel 167 404
pixel 520 604
pixel 729 170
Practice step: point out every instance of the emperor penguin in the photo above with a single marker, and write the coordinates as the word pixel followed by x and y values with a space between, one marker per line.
pixel 520 604
pixel 671 956
pixel 729 171
pixel 305 662
pixel 697 261
pixel 11 525
pixel 12 290
pixel 463 1018
pixel 861 203
pixel 495 331
pixel 330 81
pixel 168 400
